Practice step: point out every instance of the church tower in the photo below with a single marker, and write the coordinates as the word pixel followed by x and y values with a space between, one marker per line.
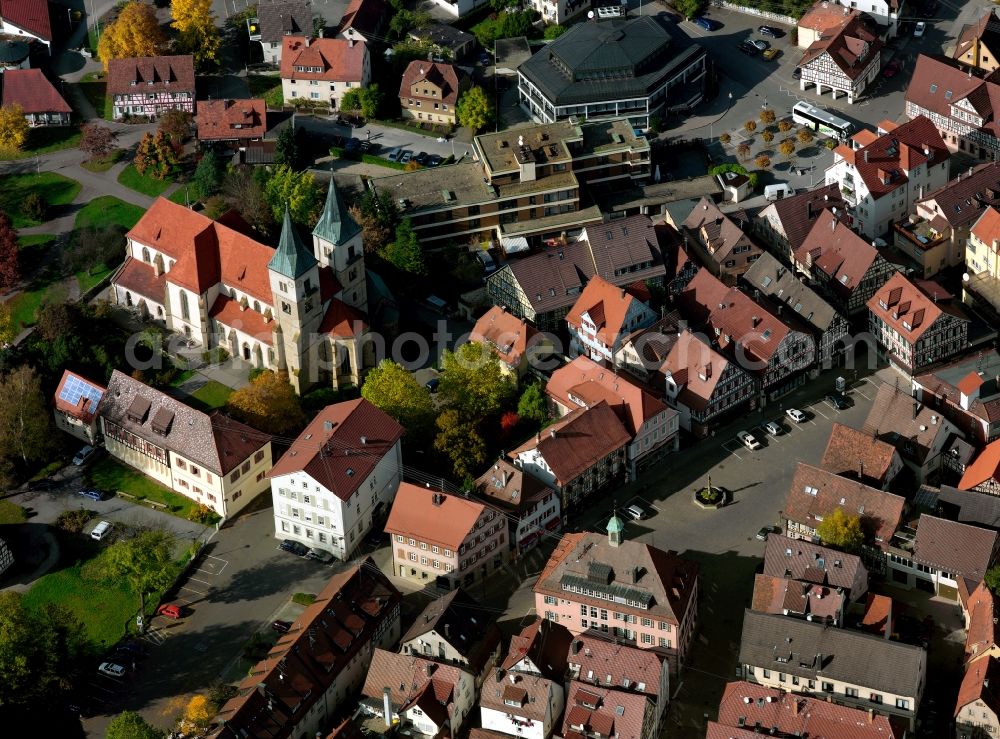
pixel 337 243
pixel 294 276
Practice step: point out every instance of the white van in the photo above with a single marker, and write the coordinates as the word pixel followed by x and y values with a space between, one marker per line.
pixel 100 530
pixel 778 191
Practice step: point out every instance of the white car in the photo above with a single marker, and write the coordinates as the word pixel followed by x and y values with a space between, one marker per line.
pixel 796 415
pixel 394 154
pixel 774 428
pixel 919 29
pixel 112 669
pixel 748 441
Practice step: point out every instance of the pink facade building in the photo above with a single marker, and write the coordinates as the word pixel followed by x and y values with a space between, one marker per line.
pixel 640 595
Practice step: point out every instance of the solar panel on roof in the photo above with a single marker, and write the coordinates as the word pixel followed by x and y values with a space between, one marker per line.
pixel 75 388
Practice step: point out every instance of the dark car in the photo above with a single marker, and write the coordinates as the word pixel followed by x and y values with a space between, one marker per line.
pixel 747 48
pixel 771 31
pixel 797 73
pixel 92 494
pixel 485 59
pixel 434 160
pixel 890 69
pixel 294 547
pixel 766 531
pixel 421 158
pixel 838 401
pixel 352 144
pixel 707 23
pixel 133 648
pixel 282 627
pixel 43 484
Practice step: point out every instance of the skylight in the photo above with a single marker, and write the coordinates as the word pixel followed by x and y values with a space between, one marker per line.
pixel 933 88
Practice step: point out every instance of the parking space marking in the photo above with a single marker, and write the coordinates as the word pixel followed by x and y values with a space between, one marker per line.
pixel 814 409
pixel 736 447
pixel 203 582
pixel 863 395
pixel 213 565
pixel 199 592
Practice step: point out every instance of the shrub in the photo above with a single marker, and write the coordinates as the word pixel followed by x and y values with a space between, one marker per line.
pixel 767 136
pixel 34 207
pixel 750 126
pixel 805 136
pixel 73 521
pixel 784 125
pixel 725 138
pixel 762 162
pixel 304 599
pixel 767 116
pixel 203 515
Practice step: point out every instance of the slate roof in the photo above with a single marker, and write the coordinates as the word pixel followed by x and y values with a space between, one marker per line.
pixel 578 441
pixel 796 715
pixel 967 507
pixel 956 548
pixel 341 446
pixel 463 623
pixel 984 468
pixel 31 89
pixel 665 578
pixel 215 442
pixel 509 336
pixel 153 74
pixel 815 652
pixel 291 258
pixel 855 454
pixel 815 494
pixel 802 560
pixel 798 213
pixel 365 16
pixel 833 248
pixel 220 120
pixel 444 36
pixel 280 18
pixel 591 709
pixel 782 285
pixel 510 488
pixel 980 682
pixel 31 15
pixel 899 301
pixel 625 250
pixel 851 46
pixel 414 515
pixel 611 59
pixel 442 75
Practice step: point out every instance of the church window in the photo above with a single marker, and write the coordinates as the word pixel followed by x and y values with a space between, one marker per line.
pixel 145 255
pixel 256 306
pixel 185 311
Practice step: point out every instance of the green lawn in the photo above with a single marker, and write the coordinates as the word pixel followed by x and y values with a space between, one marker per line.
pixel 143 183
pixel 32 245
pixel 184 195
pixel 267 87
pixel 112 476
pixel 103 164
pixel 45 139
pixel 87 279
pixel 212 395
pixel 24 307
pixel 182 377
pixel 11 513
pixel 106 210
pixel 56 189
pixel 94 88
pixel 104 609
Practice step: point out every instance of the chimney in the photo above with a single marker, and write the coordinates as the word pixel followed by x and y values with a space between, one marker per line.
pixel 916 410
pixel 503 478
pixel 308 41
pixel 447 631
pixel 575 647
pixel 795 706
pixel 513 678
pixel 871 715
pixel 429 669
pixel 386 707
pixel 552 433
pixel 437 499
pixel 350 42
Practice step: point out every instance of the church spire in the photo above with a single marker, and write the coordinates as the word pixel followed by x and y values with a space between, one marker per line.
pixel 336 224
pixel 291 259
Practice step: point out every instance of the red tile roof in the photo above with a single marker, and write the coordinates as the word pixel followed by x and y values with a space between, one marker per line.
pixel 341 446
pixel 856 454
pixel 578 441
pixel 339 60
pixel 151 74
pixel 798 715
pixel 583 383
pixel 230 313
pixel 878 617
pixel 606 305
pixel 816 493
pixel 984 468
pixel 720 232
pixel 31 15
pixel 593 659
pixel 802 560
pixel 544 642
pixel 797 213
pixel 884 163
pixel 413 681
pixel 223 120
pixel 365 16
pixel 342 320
pixel 983 632
pixel 690 359
pixel 591 709
pixel 511 488
pixel 140 278
pixel 981 682
pixel 444 76
pixel 954 547
pixel 415 515
pixel 793 597
pixel 851 46
pixel 77 396
pixel 32 90
pixel 833 248
pixel 826 17
pixel 987 227
pixel 531 693
pixel 899 301
pixel 509 335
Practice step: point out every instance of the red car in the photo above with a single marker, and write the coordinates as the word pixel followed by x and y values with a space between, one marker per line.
pixel 170 610
pixel 890 69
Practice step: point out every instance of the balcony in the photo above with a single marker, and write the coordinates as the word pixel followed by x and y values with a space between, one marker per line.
pixel 916 235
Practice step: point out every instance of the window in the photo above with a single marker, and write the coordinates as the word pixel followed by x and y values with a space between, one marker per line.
pixel 781 677
pixel 767 674
pixel 827 687
pixel 549 600
pixel 413 556
pixel 875 697
pixel 851 692
pixel 647 622
pixel 903 703
pixel 258 456
pixel 399 538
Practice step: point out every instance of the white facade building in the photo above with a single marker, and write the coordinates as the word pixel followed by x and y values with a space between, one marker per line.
pixel 521 705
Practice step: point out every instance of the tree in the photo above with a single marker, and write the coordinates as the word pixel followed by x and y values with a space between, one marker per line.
pixel 130 725
pixel 475 109
pixel 13 128
pixel 268 403
pixel 750 126
pixel 405 19
pixel 404 252
pixel 25 428
pixel 97 141
pixel 286 148
pixel 532 405
pixel 242 191
pixel 135 32
pixel 767 137
pixel 155 155
pixel 208 175
pixel 553 32
pixel 461 442
pixel 35 207
pixel 787 148
pixel 176 125
pixel 350 102
pixel 197 33
pixel 743 150
pixel 784 125
pixel 762 161
pixel 8 331
pixel 371 100
pixel 992 579
pixel 199 712
pixel 805 136
pixel 95 248
pixel 767 116
pixel 10 265
pixel 736 169
pixel 297 190
pixel 689 8
pixel 144 561
pixel 725 138
pixel 841 530
pixel 474 383
pixel 378 216
pixel 391 388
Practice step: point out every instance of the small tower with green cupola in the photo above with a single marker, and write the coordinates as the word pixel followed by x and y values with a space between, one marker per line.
pixel 338 244
pixel 616 530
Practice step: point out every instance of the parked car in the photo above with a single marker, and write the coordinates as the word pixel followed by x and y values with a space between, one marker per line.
pixel 766 530
pixel 747 439
pixel 421 158
pixel 485 59
pixel 772 54
pixel 761 44
pixel 294 547
pixel 100 530
pixel 320 555
pixel 837 400
pixel 112 668
pixel 434 160
pixel 84 455
pixel 890 69
pixel 638 511
pixel 170 610
pixel 796 415
pixel 747 48
pixel 394 154
pixel 92 494
pixel 352 144
pixel 918 30
pixel 707 23
pixel 772 31
pixel 282 627
pixel 797 73
pixel 46 483
pixel 132 647
pixel 406 156
pixel 774 428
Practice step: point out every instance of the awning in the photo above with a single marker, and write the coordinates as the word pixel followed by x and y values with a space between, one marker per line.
pixel 514 244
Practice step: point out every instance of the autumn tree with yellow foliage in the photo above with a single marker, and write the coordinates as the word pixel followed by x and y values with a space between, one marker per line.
pixel 199 36
pixel 13 128
pixel 199 712
pixel 135 32
pixel 269 404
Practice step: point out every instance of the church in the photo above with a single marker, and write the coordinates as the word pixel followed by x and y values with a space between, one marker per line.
pixel 287 309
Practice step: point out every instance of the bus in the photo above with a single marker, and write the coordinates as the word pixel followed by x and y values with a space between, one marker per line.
pixel 820 120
